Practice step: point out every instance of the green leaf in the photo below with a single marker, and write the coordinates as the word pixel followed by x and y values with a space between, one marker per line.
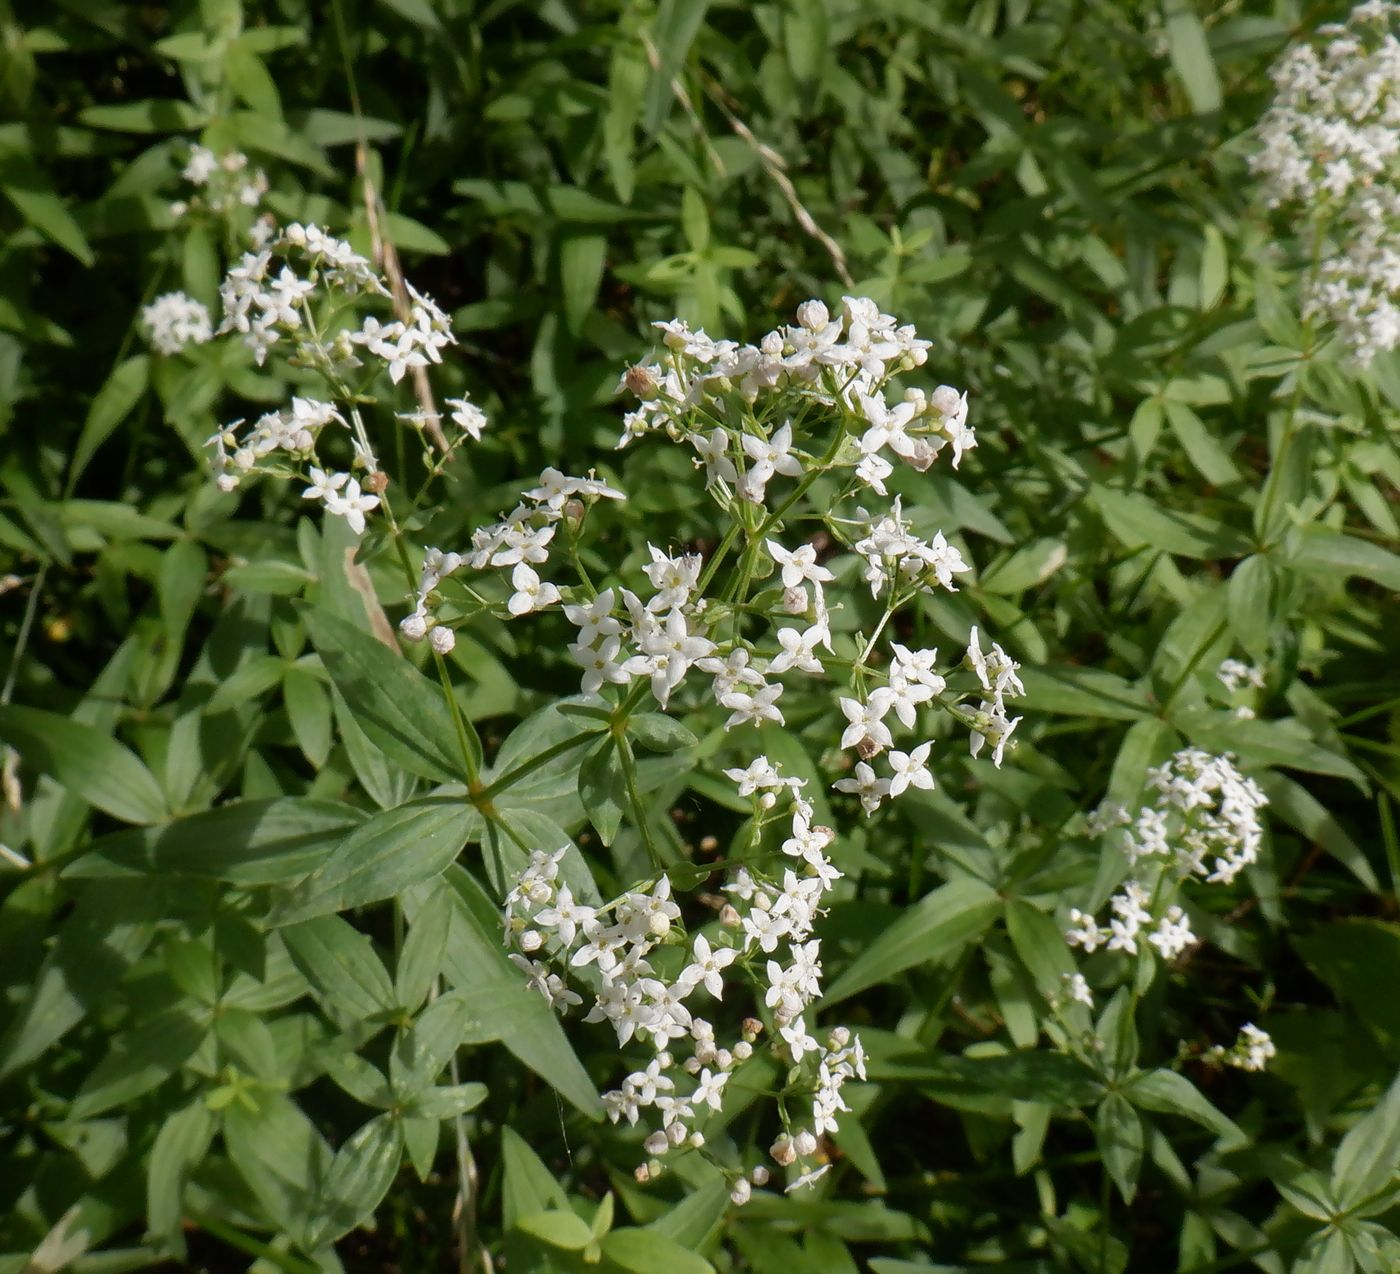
pixel 557 1228
pixel 645 1251
pixel 1300 809
pixel 280 1155
pixel 1191 57
pixel 1282 741
pixel 184 570
pixel 1204 452
pixel 1140 523
pixel 90 764
pixel 603 790
pixel 247 842
pixel 179 1148
pixel 448 1102
pixel 1031 564
pixel 936 928
pixel 152 116
pixel 1083 692
pixel 530 1187
pixel 398 708
pixel 693 1220
pixel 1027 1075
pixel 48 214
pixel 657 732
pixel 1251 602
pixel 359 1178
pixel 1369 1157
pixel 421 1052
pixel 805 35
pixel 309 710
pixel 384 856
pixel 1172 1094
pixel 677 24
pixel 341 964
pixel 582 256
pixel 420 960
pixel 1118 1132
pixel 1328 552
pixel 138 1059
pixel 120 392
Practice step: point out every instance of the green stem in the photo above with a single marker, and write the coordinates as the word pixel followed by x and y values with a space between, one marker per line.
pixel 634 797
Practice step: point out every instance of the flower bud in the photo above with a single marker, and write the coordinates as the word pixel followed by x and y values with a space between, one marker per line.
pixel 752 1029
pixel 642 1173
pixel 675 1134
pixel 697 1139
pixel 724 1059
pixel 946 400
pixel 772 344
pixel 692 1065
pixel 531 941
pixel 805 1144
pixel 660 924
pixel 759 1176
pixel 413 627
pixel 376 482
pixel 813 315
pixel 839 1038
pixel 654 1168
pixel 656 1144
pixel 665 1061
pixel 795 600
pixel 767 801
pixel 743 1050
pixel 729 917
pixel 782 1151
pixel 741 1193
pixel 574 511
pixel 442 640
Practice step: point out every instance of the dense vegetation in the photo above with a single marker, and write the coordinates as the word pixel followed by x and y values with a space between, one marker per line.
pixel 259 834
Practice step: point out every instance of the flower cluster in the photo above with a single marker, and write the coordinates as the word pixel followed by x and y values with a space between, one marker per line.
pixel 1204 823
pixel 221 183
pixel 648 977
pixel 1252 1051
pixel 1330 144
pixel 1234 674
pixel 299 290
pixel 174 320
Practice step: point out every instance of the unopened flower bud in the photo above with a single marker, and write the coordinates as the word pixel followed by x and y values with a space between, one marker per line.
pixel 795 601
pixel 741 1193
pixel 813 315
pixel 376 482
pixel 752 1029
pixel 442 640
pixel 665 1061
pixel 840 1037
pixel 729 917
pixel 691 1065
pixel 767 801
pixel 654 1168
pixel 414 627
pixel 642 1173
pixel 772 344
pixel 660 924
pixel 675 1134
pixel 697 1139
pixel 574 511
pixel 867 748
pixel 805 1144
pixel 656 1144
pixel 782 1151
pixel 743 1050
pixel 759 1176
pixel 724 1059
pixel 946 400
pixel 531 940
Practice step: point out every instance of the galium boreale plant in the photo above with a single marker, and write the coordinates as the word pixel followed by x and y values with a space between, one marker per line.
pixel 793 439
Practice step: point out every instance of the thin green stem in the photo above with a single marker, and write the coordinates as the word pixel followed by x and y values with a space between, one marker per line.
pixel 634 798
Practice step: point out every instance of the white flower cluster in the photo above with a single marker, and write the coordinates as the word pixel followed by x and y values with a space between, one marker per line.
pixel 765 934
pixel 847 360
pixel 1234 674
pixel 174 320
pixel 1252 1051
pixel 1330 144
pixel 517 543
pixel 305 300
pixel 223 182
pixel 1205 823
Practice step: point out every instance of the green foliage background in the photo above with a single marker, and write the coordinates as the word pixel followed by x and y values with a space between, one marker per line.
pixel 1172 468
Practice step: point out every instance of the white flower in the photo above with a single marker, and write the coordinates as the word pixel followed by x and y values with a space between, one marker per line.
pixel 798 651
pixel 707 967
pixel 468 417
pixel 174 320
pixel 808 1178
pixel 867 785
pixel 799 565
pixel 530 592
pixel 710 1089
pixel 910 769
pixel 599 665
pixel 352 505
pixel 866 721
pixel 753 708
pixel 994 727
